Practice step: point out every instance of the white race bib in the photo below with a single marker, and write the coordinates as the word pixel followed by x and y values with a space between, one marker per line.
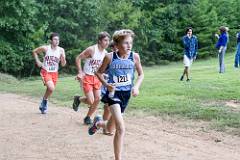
pixel 52 68
pixel 122 80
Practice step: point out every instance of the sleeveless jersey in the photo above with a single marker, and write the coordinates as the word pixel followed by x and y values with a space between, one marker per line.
pixel 51 59
pixel 92 64
pixel 121 72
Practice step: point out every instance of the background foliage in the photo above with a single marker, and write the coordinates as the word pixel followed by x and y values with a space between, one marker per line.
pixel 158 24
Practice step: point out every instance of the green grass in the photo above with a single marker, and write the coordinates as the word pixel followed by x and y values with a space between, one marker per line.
pixel 162 93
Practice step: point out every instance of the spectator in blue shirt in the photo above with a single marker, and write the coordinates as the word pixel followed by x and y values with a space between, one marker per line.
pixel 237 56
pixel 222 47
pixel 190 44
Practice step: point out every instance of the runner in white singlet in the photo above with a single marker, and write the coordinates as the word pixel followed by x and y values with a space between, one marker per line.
pixel 91 85
pixel 49 72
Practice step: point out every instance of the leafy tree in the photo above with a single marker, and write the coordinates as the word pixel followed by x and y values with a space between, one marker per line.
pixel 16 27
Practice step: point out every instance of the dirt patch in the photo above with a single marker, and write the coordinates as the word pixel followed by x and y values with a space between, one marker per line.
pixel 25 134
pixel 234 104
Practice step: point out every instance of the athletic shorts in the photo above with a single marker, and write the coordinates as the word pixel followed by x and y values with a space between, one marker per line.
pixel 120 97
pixel 103 94
pixel 187 62
pixel 104 98
pixel 49 76
pixel 90 83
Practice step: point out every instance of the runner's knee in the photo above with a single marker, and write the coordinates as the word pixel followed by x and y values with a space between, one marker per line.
pixel 96 100
pixel 90 101
pixel 120 129
pixel 51 88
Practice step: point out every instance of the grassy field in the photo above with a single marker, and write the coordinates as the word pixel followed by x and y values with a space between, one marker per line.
pixel 209 96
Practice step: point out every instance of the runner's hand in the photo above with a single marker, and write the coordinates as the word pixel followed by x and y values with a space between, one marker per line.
pixel 110 87
pixel 135 91
pixel 80 76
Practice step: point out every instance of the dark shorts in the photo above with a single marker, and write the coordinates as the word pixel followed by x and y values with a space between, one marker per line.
pixel 104 98
pixel 120 97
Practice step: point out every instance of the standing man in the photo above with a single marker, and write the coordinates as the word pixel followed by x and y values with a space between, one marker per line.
pixel 237 56
pixel 91 85
pixel 49 68
pixel 222 47
pixel 190 44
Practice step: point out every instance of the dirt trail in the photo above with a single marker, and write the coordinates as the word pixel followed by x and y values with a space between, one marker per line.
pixel 25 134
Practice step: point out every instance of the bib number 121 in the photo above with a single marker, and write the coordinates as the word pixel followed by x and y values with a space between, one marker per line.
pixel 122 79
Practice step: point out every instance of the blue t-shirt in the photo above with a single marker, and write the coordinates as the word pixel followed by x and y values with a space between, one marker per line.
pixel 121 72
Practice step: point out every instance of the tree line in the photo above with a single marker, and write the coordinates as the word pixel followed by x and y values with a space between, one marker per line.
pixel 158 24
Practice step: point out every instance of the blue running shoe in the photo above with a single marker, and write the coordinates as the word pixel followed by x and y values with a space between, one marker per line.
pixel 40 106
pixel 93 129
pixel 43 106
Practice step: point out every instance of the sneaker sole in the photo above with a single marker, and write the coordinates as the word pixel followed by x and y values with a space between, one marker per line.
pixel 92 131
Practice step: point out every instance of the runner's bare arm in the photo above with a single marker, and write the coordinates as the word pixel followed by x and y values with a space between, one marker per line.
pixel 102 69
pixel 63 58
pixel 38 51
pixel 138 65
pixel 87 53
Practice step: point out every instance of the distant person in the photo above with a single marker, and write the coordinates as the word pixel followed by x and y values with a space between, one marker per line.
pixel 222 47
pixel 91 85
pixel 49 67
pixel 190 44
pixel 237 56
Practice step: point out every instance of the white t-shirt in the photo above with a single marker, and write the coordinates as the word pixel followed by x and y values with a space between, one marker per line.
pixel 51 59
pixel 92 64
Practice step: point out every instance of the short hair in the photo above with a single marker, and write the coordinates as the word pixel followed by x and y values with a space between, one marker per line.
pixel 222 29
pixel 119 35
pixel 102 35
pixel 187 29
pixel 54 34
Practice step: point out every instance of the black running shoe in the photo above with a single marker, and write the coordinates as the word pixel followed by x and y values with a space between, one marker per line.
pixel 87 120
pixel 181 79
pixel 76 103
pixel 188 80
